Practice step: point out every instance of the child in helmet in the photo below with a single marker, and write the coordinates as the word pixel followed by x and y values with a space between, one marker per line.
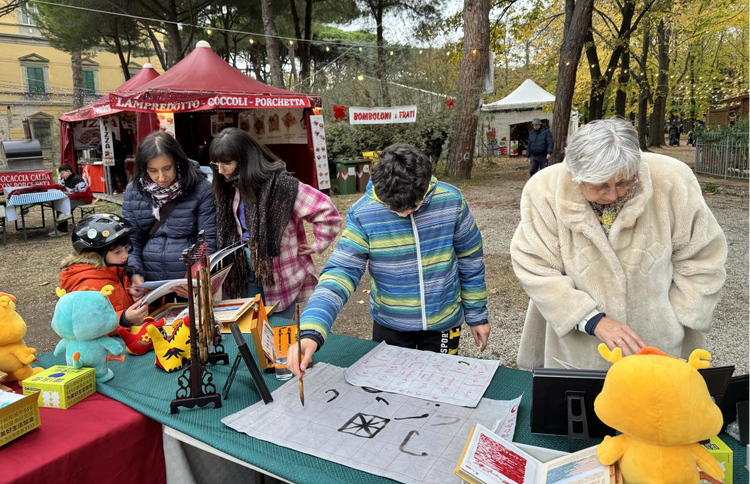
pixel 101 242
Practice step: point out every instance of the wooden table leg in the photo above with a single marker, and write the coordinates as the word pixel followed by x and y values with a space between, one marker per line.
pixel 23 223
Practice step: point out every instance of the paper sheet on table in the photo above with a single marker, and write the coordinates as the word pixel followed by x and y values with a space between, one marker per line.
pixel 505 426
pixel 436 377
pixel 403 438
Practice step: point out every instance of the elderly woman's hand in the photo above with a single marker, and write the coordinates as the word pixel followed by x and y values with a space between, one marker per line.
pixel 614 334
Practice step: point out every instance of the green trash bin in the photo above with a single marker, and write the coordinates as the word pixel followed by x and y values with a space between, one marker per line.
pixel 346 176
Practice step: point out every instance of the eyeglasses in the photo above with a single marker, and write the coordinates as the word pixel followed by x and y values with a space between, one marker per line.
pixel 221 164
pixel 619 188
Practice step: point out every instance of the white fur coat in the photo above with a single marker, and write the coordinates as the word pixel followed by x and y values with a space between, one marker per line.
pixel 660 271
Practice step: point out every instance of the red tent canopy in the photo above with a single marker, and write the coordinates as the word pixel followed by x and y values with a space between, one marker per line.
pixel 101 106
pixel 204 81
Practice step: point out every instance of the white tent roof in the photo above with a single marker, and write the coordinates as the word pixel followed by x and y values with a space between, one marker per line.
pixel 528 95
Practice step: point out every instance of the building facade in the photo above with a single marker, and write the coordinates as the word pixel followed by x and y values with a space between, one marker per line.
pixel 36 82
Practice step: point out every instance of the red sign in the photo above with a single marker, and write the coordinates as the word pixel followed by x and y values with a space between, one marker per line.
pixel 25 178
pixel 203 102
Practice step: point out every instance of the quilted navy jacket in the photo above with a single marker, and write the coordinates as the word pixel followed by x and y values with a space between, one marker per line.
pixel 160 258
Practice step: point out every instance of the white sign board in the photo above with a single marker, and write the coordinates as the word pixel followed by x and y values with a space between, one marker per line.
pixel 108 127
pixel 275 126
pixel 397 114
pixel 320 152
pixel 166 123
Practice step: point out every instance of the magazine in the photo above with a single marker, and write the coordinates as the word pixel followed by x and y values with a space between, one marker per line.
pixel 490 459
pixel 165 287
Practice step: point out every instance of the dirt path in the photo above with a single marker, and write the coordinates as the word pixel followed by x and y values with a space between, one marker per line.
pixel 30 270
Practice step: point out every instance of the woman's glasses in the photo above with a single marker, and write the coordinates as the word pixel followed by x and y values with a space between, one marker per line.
pixel 620 188
pixel 221 164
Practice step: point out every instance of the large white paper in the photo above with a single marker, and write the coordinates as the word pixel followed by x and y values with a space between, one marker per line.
pixel 432 376
pixel 395 436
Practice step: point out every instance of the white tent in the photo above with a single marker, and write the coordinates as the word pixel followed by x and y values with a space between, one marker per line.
pixel 528 96
pixel 512 114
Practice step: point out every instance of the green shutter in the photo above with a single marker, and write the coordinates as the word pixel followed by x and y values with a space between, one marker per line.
pixel 35 76
pixel 89 87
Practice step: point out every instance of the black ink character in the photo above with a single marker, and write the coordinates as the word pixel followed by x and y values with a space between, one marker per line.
pixel 380 399
pixel 334 397
pixel 424 415
pixel 365 426
pixel 406 441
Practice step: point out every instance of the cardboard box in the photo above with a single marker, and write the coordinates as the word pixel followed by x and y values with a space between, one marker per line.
pixel 724 456
pixel 61 386
pixel 19 416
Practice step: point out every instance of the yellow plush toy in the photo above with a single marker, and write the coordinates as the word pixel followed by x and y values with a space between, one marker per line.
pixel 171 350
pixel 662 407
pixel 15 356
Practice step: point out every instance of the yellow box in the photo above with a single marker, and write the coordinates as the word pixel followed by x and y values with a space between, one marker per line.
pixel 19 416
pixel 724 456
pixel 61 386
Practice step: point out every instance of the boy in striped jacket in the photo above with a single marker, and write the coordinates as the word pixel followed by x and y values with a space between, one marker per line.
pixel 425 260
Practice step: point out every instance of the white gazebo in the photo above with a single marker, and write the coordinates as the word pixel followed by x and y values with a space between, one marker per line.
pixel 511 116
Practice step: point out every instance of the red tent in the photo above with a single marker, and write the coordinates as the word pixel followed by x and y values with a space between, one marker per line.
pixel 203 81
pixel 102 108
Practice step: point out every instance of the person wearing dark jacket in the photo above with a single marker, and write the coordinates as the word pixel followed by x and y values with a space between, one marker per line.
pixel 167 190
pixel 539 147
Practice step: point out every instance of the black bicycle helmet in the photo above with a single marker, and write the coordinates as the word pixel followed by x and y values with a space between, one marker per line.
pixel 98 231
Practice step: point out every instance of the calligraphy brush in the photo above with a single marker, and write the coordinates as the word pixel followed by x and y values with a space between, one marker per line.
pixel 299 359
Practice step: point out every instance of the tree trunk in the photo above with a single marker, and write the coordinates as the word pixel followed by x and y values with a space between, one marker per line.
pixel 157 47
pixel 474 67
pixel 621 96
pixel 272 45
pixel 304 51
pixel 76 63
pixel 380 68
pixel 656 134
pixel 643 92
pixel 577 20
pixel 598 83
pixel 120 54
pixel 175 52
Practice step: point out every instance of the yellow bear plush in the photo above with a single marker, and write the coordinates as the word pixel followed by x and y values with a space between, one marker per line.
pixel 662 407
pixel 15 356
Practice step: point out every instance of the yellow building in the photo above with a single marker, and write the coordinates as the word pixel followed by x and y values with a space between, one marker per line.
pixel 36 82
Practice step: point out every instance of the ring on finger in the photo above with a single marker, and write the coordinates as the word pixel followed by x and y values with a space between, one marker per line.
pixel 617 343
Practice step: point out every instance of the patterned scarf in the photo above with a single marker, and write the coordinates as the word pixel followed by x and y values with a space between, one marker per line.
pixel 160 196
pixel 266 219
pixel 607 214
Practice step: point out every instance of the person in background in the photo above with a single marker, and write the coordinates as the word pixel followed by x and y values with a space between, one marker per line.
pixel 618 247
pixel 674 135
pixel 539 147
pixel 169 202
pixel 77 190
pixel 118 170
pixel 423 250
pixel 258 201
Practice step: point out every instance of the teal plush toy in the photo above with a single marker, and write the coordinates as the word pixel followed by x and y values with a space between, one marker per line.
pixel 83 319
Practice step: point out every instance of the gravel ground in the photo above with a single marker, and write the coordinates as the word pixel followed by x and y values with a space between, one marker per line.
pixel 30 270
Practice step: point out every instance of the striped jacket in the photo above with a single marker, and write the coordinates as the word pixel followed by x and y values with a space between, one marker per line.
pixel 427 269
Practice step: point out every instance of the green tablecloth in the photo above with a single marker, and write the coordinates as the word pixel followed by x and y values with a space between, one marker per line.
pixel 141 386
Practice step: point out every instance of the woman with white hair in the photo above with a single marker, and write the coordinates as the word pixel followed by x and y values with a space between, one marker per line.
pixel 615 246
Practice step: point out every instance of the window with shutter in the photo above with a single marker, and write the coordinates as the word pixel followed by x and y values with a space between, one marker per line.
pixel 89 85
pixel 35 77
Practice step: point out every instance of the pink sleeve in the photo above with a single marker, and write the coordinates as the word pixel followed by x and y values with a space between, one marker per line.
pixel 316 208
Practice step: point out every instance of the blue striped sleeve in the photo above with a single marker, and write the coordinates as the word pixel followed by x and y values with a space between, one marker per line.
pixel 467 242
pixel 338 280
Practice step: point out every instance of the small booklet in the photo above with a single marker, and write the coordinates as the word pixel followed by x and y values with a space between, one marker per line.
pixel 490 459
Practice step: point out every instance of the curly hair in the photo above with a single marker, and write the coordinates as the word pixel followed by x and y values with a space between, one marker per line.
pixel 401 177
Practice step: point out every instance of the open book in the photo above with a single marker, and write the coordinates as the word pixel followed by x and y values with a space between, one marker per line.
pixel 161 288
pixel 489 459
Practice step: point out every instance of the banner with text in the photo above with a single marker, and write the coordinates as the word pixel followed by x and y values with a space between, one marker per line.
pixel 397 114
pixel 185 102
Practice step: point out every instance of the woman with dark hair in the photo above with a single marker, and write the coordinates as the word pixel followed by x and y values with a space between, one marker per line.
pixel 169 201
pixel 258 201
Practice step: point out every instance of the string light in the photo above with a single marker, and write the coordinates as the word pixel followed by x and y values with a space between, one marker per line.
pixel 391 53
pixel 420 51
pixel 328 49
pixel 252 41
pixel 209 31
pixel 360 49
pixel 291 42
pixel 360 77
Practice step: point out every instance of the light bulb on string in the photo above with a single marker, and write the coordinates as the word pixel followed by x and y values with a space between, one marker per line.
pixel 390 53
pixel 291 42
pixel 360 77
pixel 420 51
pixel 360 49
pixel 328 49
pixel 252 41
pixel 209 31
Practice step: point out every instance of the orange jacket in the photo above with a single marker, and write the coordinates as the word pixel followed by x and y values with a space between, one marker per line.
pixel 89 271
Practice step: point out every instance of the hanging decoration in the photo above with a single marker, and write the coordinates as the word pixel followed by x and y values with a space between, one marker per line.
pixel 339 112
pixel 450 102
